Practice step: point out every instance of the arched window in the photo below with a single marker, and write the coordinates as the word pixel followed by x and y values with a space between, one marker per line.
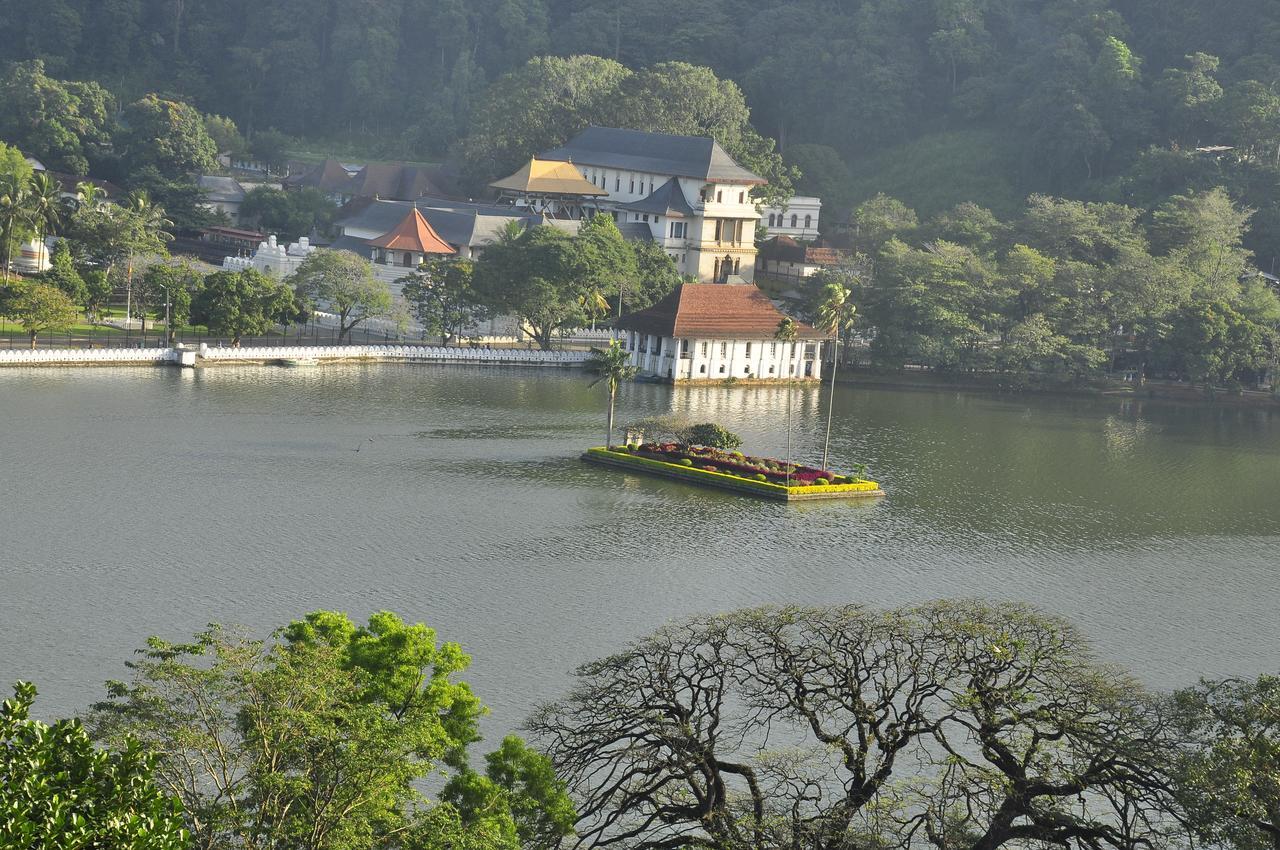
pixel 808 222
pixel 794 219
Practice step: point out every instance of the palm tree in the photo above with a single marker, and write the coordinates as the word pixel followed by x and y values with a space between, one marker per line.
pixel 786 333
pixel 613 365
pixel 14 210
pixel 835 316
pixel 594 304
pixel 151 220
pixel 88 194
pixel 46 203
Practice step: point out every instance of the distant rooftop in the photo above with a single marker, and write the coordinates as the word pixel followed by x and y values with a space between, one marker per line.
pixel 715 311
pixel 548 177
pixel 413 233
pixel 220 189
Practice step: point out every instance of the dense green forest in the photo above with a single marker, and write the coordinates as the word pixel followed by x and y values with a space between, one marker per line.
pixel 1069 186
pixel 1097 99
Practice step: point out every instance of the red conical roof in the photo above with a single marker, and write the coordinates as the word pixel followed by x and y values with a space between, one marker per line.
pixel 413 233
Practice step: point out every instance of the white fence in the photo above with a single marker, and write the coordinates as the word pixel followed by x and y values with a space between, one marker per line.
pixel 427 353
pixel 103 356
pixel 268 354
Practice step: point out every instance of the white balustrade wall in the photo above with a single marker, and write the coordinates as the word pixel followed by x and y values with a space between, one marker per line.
pixel 432 353
pixel 413 353
pixel 26 356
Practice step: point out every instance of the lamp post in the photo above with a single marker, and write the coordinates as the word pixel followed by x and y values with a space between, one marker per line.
pixel 786 333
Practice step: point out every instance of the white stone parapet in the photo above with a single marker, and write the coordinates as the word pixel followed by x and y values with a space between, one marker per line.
pixel 274 353
pixel 94 356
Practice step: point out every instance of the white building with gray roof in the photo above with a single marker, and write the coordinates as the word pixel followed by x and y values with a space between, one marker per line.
pixel 694 198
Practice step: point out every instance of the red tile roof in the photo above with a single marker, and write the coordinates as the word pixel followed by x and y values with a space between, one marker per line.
pixel 786 249
pixel 413 233
pixel 714 311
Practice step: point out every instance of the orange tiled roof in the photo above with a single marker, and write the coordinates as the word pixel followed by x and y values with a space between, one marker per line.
pixel 715 311
pixel 413 233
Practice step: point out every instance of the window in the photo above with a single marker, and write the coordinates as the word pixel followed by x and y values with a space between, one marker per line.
pixel 645 217
pixel 773 349
pixel 702 349
pixel 702 370
pixel 684 349
pixel 721 370
pixel 724 349
pixel 719 196
pixel 617 184
pixel 793 350
pixel 748 349
pixel 650 187
pixel 633 185
pixel 808 221
pixel 793 219
pixel 742 197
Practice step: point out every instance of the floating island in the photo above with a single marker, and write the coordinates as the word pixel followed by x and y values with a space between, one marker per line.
pixel 764 477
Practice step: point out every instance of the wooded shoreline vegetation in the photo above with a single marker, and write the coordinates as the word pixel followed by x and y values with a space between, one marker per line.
pixel 951 726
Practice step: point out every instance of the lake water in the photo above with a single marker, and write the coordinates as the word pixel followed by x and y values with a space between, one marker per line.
pixel 146 501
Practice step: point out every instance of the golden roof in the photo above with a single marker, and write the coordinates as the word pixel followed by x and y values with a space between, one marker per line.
pixel 544 177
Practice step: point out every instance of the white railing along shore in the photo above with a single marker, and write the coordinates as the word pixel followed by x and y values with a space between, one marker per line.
pixel 267 354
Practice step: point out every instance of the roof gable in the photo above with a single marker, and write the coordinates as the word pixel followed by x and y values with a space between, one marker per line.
pixel 668 199
pixel 698 157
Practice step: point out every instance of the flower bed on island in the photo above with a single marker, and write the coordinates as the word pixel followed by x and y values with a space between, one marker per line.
pixel 736 471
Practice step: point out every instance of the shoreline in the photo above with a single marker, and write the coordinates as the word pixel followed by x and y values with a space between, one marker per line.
pixel 1186 394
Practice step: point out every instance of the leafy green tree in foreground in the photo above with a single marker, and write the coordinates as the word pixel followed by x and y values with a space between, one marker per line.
pixel 441 297
pixel 41 308
pixel 1229 773
pixel 343 282
pixel 317 738
pixel 167 290
pixel 58 790
pixel 239 304
pixel 63 275
pixel 613 365
pixel 537 276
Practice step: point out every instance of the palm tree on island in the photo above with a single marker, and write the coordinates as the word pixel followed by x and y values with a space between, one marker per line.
pixel 613 364
pixel 786 333
pixel 835 316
